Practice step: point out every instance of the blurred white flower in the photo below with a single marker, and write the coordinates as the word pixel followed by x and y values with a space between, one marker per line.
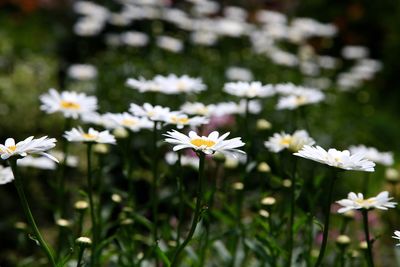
pixel 238 74
pixel 82 72
pixel 172 157
pixel 173 84
pixel 154 113
pixel 28 146
pixel 300 97
pixel 197 108
pixel 335 158
pixel 169 43
pixel 37 162
pixel 135 39
pixel 130 122
pixel 92 136
pixel 249 89
pixel 371 153
pixel 206 144
pixel 354 52
pixel 70 104
pixel 294 142
pixel 182 120
pixel 202 37
pixel 356 202
pixel 6 175
pixel 143 85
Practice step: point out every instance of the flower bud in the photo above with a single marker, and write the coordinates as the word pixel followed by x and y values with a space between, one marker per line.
pixel 263 213
pixel 120 133
pixel 263 167
pixel 287 183
pixel 263 124
pixel 268 201
pixel 84 241
pixel 81 205
pixel 238 186
pixel 101 148
pixel 116 198
pixel 63 223
pixel 392 175
pixel 343 240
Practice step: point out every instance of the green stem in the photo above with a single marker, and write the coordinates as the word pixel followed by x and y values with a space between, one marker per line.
pixel 197 212
pixel 154 194
pixel 80 256
pixel 370 259
pixel 292 213
pixel 181 199
pixel 327 212
pixel 91 203
pixel 18 182
pixel 342 257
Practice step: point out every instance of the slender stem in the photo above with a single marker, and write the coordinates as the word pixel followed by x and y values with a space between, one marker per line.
pixel 181 198
pixel 327 212
pixel 370 259
pixel 80 256
pixel 197 212
pixel 342 257
pixel 129 175
pixel 292 213
pixel 154 194
pixel 80 223
pixel 18 182
pixel 91 203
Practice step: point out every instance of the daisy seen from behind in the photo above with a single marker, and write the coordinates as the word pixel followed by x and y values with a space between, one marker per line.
pixel 205 144
pixel 397 236
pixel 70 104
pixel 336 158
pixel 154 113
pixel 6 175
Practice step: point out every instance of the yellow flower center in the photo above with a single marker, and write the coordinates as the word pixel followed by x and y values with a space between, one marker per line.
pixel 286 141
pixel 181 86
pixel 12 148
pixel 89 136
pixel 365 202
pixel 69 105
pixel 300 100
pixel 177 120
pixel 202 142
pixel 128 122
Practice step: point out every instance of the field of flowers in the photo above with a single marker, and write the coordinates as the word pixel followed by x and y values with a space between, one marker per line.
pixel 193 133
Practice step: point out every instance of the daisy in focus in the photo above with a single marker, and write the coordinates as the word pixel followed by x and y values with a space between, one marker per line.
pixel 6 175
pixel 335 158
pixel 92 136
pixel 357 202
pixel 293 142
pixel 29 146
pixel 70 104
pixel 206 144
pixel 249 89
pixel 397 236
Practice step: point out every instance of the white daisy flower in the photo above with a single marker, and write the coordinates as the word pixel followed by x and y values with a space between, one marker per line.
pixel 71 104
pixel 37 162
pixel 82 72
pixel 143 85
pixel 154 113
pixel 171 158
pixel 173 84
pixel 249 89
pixel 294 142
pixel 197 108
pixel 371 153
pixel 300 97
pixel 28 146
pixel 397 236
pixel 92 136
pixel 6 175
pixel 356 202
pixel 182 120
pixel 130 122
pixel 169 43
pixel 335 158
pixel 206 144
